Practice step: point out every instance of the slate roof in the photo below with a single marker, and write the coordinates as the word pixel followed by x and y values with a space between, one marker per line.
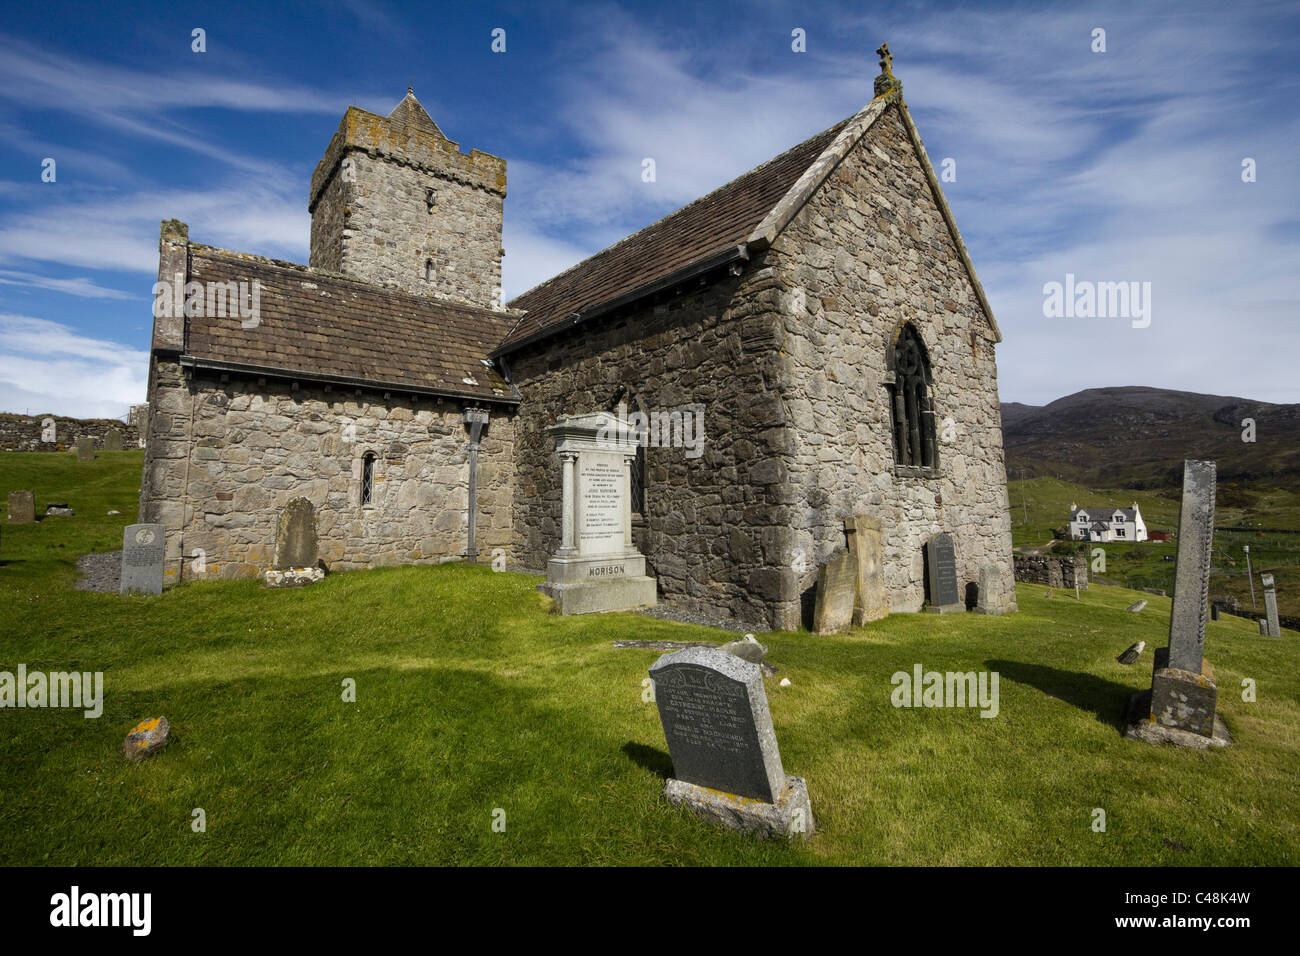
pixel 330 328
pixel 1106 513
pixel 706 227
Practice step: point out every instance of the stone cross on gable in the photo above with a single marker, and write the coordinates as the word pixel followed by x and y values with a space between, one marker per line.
pixel 886 59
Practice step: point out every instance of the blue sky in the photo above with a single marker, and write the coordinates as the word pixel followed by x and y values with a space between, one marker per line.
pixel 1117 166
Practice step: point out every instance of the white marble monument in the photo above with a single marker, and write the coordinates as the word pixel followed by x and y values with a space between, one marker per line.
pixel 597 567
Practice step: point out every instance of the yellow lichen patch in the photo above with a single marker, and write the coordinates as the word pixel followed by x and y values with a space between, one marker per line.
pixel 146 725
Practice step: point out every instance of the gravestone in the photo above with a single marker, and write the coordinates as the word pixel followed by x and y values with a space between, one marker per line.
pixel 1180 707
pixel 726 764
pixel 22 507
pixel 58 509
pixel 866 539
pixel 596 567
pixel 49 430
pixel 295 536
pixel 139 417
pixel 941 573
pixel 837 584
pixel 989 599
pixel 142 559
pixel 1263 627
pixel 85 448
pixel 112 440
pixel 1270 606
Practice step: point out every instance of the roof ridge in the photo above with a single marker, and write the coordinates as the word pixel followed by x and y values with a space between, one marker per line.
pixel 681 209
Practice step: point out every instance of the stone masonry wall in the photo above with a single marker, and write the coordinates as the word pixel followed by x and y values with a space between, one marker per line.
pixel 374 221
pixel 23 432
pixel 868 251
pixel 1059 572
pixel 716 529
pixel 225 458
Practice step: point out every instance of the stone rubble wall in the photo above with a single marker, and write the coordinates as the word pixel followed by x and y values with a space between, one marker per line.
pixel 376 224
pixel 1058 572
pixel 23 432
pixel 869 250
pixel 715 532
pixel 224 459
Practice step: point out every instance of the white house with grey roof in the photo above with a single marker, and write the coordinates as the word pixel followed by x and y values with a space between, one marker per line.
pixel 1107 524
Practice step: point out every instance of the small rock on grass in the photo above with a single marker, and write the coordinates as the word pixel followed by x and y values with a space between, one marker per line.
pixel 146 739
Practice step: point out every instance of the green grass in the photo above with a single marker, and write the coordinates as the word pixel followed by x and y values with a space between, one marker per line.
pixel 471 697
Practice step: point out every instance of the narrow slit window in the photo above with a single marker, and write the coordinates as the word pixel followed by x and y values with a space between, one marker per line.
pixel 367 479
pixel 428 270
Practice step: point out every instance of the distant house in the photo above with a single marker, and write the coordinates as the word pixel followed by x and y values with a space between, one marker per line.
pixel 1107 524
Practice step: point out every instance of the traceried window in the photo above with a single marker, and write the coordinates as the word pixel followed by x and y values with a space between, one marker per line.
pixel 368 479
pixel 911 404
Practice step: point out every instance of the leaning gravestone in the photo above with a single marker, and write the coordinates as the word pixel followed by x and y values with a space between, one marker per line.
pixel 1180 707
pixel 295 538
pixel 112 440
pixel 596 567
pixel 1270 606
pixel 989 599
pixel 22 507
pixel 866 544
pixel 837 584
pixel 941 572
pixel 142 559
pixel 726 764
pixel 85 448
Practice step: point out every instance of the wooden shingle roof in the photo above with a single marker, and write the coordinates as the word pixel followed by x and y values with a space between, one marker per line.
pixel 327 327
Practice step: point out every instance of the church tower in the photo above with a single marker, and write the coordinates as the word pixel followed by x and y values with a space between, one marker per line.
pixel 396 203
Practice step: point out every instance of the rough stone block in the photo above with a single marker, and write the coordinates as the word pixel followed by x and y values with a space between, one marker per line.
pixel 789 817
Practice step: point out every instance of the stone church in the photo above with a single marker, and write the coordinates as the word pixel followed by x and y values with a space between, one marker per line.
pixel 820 315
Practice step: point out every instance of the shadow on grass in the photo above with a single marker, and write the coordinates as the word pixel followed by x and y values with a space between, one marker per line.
pixel 1105 698
pixel 649 758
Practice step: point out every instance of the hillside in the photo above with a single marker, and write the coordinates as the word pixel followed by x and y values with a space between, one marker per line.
pixel 1137 437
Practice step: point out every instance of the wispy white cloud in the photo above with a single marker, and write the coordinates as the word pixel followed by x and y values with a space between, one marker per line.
pixel 50 367
pixel 81 286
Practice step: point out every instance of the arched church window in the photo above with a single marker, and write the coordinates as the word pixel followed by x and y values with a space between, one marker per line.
pixel 911 404
pixel 368 478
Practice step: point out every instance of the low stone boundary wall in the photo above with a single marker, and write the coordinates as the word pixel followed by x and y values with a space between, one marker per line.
pixel 1055 572
pixel 29 432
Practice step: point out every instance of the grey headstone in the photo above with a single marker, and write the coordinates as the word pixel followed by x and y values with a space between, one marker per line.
pixel 112 440
pixel 295 539
pixel 22 507
pixel 941 572
pixel 837 585
pixel 715 719
pixel 1270 607
pixel 143 548
pixel 1136 606
pixel 85 448
pixel 1192 575
pixel 1263 627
